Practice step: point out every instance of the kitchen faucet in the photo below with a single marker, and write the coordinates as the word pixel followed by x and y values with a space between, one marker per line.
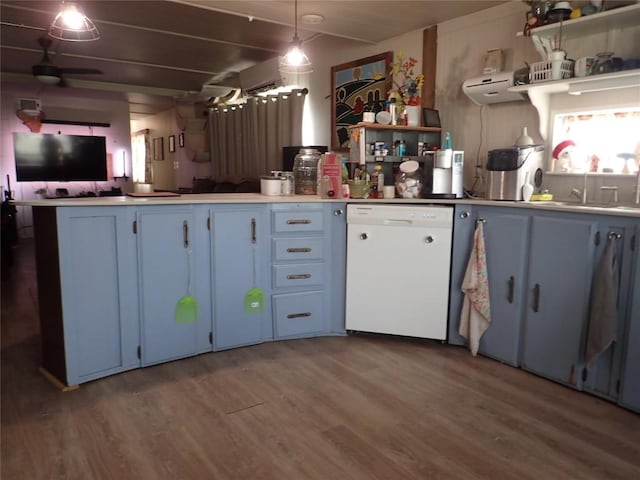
pixel 581 194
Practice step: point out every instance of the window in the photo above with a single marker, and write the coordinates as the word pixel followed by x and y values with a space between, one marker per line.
pixel 596 141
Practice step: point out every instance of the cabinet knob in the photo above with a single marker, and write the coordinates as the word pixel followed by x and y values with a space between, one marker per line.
pixel 429 239
pixel 364 236
pixel 338 212
pixel 464 215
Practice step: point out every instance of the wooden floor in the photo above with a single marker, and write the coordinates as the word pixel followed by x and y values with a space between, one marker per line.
pixel 358 407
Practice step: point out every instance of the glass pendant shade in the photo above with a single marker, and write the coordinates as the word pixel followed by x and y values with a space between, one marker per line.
pixel 295 60
pixel 73 25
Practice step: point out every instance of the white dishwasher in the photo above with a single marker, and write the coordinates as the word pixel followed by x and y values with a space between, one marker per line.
pixel 398 269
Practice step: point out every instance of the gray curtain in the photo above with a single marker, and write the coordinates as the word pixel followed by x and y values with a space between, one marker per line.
pixel 246 140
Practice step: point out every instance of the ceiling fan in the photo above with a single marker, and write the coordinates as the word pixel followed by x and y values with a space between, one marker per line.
pixel 46 72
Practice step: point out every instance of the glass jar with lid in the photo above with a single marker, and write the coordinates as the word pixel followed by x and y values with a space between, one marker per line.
pixel 409 180
pixel 305 171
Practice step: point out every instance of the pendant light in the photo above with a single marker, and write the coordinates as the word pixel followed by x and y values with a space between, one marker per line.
pixel 72 25
pixel 295 60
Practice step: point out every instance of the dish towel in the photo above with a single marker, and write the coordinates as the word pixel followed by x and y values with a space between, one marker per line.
pixel 476 310
pixel 604 312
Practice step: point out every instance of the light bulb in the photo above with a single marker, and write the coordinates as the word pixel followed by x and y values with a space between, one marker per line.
pixel 295 56
pixel 72 18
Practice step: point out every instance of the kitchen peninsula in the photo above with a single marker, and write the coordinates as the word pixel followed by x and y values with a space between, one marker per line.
pixel 110 270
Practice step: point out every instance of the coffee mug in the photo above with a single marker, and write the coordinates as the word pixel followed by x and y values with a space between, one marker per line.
pixel 583 66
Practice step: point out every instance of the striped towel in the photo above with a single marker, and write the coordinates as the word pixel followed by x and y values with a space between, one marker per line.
pixel 476 310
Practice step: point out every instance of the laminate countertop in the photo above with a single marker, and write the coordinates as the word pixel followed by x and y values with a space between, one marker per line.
pixel 230 198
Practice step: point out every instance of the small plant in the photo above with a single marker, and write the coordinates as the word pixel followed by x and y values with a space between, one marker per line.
pixel 406 85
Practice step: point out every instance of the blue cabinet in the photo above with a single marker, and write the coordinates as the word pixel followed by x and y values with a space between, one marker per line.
pixel 603 377
pixel 170 259
pixel 630 377
pixel 97 292
pixel 463 229
pixel 560 271
pixel 308 249
pixel 239 245
pixel 506 235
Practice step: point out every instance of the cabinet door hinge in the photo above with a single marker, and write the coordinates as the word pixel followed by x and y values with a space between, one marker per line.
pixel 135 227
pixel 585 374
pixel 596 239
pixel 209 223
pixel 211 338
pixel 139 352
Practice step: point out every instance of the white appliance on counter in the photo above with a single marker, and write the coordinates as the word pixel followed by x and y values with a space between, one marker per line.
pixel 398 263
pixel 493 88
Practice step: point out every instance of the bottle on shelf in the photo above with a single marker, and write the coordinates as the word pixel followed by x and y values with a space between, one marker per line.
pixel 368 116
pixel 375 191
pixel 392 111
pixel 447 142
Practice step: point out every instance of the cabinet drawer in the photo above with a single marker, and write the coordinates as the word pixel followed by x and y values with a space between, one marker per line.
pixel 298 313
pixel 298 275
pixel 297 249
pixel 297 221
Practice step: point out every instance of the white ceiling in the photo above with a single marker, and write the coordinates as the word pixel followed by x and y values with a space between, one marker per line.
pixel 167 48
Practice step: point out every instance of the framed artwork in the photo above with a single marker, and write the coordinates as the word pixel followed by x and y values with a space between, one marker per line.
pixel 181 140
pixel 354 85
pixel 158 148
pixel 172 143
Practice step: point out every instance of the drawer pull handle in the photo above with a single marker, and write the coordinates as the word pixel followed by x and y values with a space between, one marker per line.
pixel 510 287
pixel 298 276
pixel 298 250
pixel 536 298
pixel 299 315
pixel 298 222
pixel 185 234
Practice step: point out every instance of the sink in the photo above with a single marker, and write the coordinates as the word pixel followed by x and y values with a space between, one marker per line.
pixel 589 206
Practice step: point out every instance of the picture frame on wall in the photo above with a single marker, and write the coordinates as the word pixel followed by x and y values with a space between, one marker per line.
pixel 158 149
pixel 172 143
pixel 353 86
pixel 181 140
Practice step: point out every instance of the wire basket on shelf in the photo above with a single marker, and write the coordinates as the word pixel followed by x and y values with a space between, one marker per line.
pixel 541 71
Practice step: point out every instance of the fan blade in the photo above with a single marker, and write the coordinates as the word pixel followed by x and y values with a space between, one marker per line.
pixel 44 69
pixel 80 71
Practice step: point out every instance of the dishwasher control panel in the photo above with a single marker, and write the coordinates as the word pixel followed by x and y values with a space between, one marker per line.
pixel 400 215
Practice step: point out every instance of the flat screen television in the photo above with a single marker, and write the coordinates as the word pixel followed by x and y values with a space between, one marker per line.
pixel 43 157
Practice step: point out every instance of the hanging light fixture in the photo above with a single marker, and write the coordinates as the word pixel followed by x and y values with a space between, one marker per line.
pixel 72 25
pixel 295 60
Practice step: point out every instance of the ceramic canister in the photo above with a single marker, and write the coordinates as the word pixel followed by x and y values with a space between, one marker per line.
pixel 270 185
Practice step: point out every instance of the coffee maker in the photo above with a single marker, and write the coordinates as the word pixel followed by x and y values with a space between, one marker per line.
pixel 443 174
pixel 508 169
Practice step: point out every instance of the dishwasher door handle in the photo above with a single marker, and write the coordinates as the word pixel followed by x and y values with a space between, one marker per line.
pixel 429 239
pixel 364 236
